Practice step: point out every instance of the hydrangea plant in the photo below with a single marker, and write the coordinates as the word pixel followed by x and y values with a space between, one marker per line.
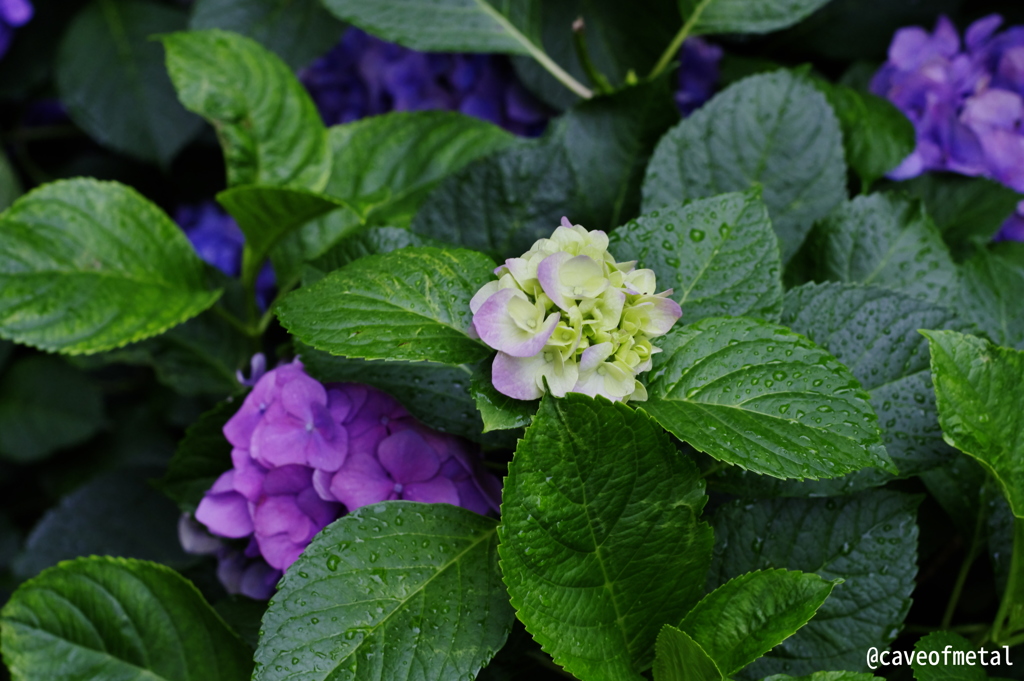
pixel 646 395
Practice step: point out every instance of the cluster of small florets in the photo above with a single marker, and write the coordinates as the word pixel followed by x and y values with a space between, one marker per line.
pixel 304 453
pixel 565 315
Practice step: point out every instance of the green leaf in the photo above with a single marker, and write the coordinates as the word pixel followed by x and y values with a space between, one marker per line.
pixel 886 240
pixel 953 664
pixel 397 588
pixel 268 126
pixel 592 589
pixel 436 394
pixel 411 304
pixel 310 242
pixel 680 658
pixel 87 266
pixel 825 676
pixel 503 203
pixel 719 255
pixel 115 514
pixel 989 297
pixel 384 166
pixel 790 143
pixel 446 25
pixel 298 32
pixel 373 241
pixel 965 209
pixel 868 539
pixel 10 185
pixel 746 16
pixel 498 411
pixel 267 214
pixel 112 81
pixel 749 615
pixel 876 135
pixel 117 618
pixel 760 397
pixel 46 405
pixel 201 457
pixel 977 389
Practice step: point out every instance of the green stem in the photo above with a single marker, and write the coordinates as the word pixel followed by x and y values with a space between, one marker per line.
pixel 677 42
pixel 268 316
pixel 721 465
pixel 965 568
pixel 1014 584
pixel 250 270
pixel 232 320
pixel 579 41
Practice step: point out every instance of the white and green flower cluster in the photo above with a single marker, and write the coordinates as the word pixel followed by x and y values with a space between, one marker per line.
pixel 568 314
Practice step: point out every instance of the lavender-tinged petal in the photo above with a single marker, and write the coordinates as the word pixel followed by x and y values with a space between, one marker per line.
pixel 249 475
pixel 280 514
pixel 321 512
pixel 979 32
pixel 225 515
pixel 408 457
pixel 361 481
pixel 279 550
pixel 516 377
pixel 279 442
pixel 195 539
pixel 439 490
pixel 328 455
pixel 290 479
pixel 259 580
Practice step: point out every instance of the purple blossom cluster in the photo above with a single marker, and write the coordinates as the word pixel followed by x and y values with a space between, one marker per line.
pixel 698 74
pixel 13 14
pixel 304 453
pixel 965 99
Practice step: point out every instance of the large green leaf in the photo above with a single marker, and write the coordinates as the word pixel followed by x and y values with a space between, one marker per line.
pixel 411 304
pixel 391 590
pixel 953 663
pixel 447 25
pixel 876 135
pixel 436 394
pixel 116 618
pixel 46 404
pixel 873 331
pixel 964 209
pixel 749 615
pixel 267 214
pixel 112 81
pixel 297 32
pixel 886 240
pixel 977 387
pixel 989 297
pixel 718 255
pixel 774 129
pixel 115 514
pixel 680 658
pixel 87 266
pixel 384 166
pixel 372 241
pixel 601 542
pixel 868 539
pixel 763 398
pixel 746 16
pixel 825 676
pixel 10 185
pixel 268 126
pixel 201 457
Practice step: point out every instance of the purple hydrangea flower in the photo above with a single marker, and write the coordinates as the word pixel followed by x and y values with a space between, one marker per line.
pixel 364 76
pixel 219 241
pixel 304 453
pixel 698 74
pixel 13 13
pixel 965 99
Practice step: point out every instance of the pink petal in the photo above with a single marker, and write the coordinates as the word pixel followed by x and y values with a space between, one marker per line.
pixel 662 314
pixel 499 330
pixel 548 275
pixel 516 377
pixel 408 457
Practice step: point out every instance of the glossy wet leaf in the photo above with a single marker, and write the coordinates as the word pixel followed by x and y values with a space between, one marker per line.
pixel 886 240
pixel 411 304
pixel 953 664
pixel 391 589
pixel 87 266
pixel 765 399
pixel 825 676
pixel 373 241
pixel 268 126
pixel 298 32
pixel 747 16
pixel 498 411
pixel 112 81
pixel 771 129
pixel 590 588
pixel 718 255
pixel 46 405
pixel 117 618
pixel 990 297
pixel 977 390
pixel 200 458
pixel 749 615
pixel 867 539
pixel 680 658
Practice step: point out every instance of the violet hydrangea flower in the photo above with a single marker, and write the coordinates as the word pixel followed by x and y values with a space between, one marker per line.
pixel 13 14
pixel 565 314
pixel 305 452
pixel 965 99
pixel 698 74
